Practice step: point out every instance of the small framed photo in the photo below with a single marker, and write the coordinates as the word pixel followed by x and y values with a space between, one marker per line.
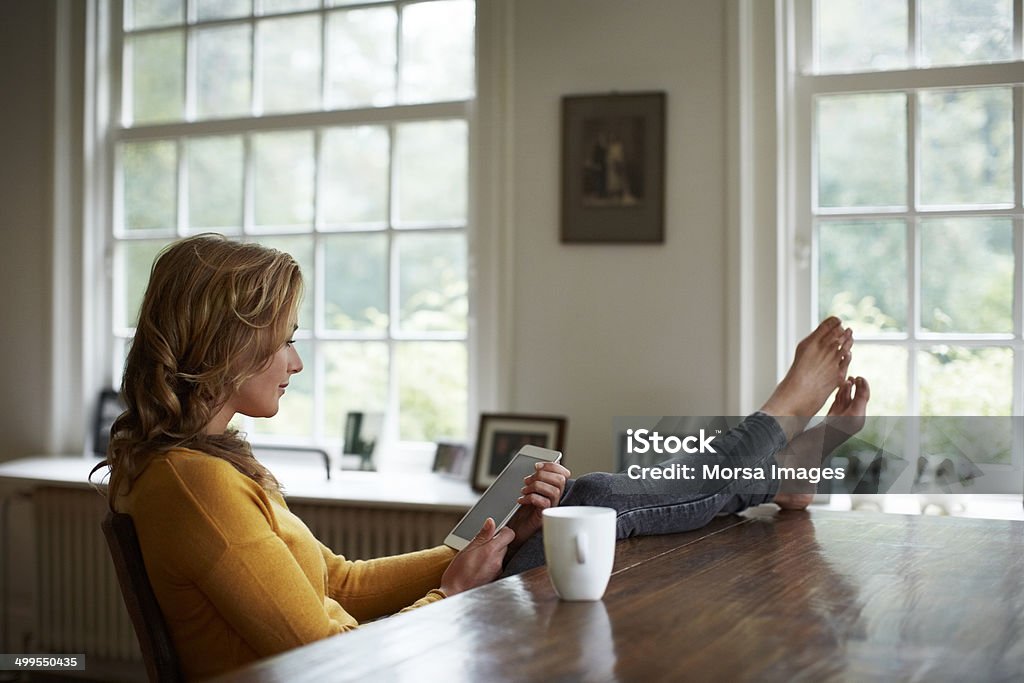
pixel 613 168
pixel 451 459
pixel 362 434
pixel 108 408
pixel 501 435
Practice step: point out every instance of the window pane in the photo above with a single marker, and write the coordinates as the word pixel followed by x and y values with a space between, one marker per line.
pixel 139 14
pixel 340 3
pixel 862 150
pixel 278 6
pixel 289 64
pixel 862 274
pixel 295 411
pixel 965 31
pixel 955 380
pixel 150 185
pixel 432 390
pixel 356 380
pixel 967 275
pixel 133 260
pixel 215 184
pixel 437 51
pixel 283 189
pixel 223 65
pixel 361 58
pixel 155 65
pixel 431 173
pixel 432 282
pixel 355 282
pixel 859 35
pixel 885 368
pixel 354 176
pixel 222 9
pixel 966 150
pixel 301 249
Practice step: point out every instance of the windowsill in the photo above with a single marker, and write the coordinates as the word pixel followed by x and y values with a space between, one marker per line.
pixel 980 506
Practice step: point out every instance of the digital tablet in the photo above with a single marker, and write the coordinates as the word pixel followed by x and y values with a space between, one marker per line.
pixel 499 500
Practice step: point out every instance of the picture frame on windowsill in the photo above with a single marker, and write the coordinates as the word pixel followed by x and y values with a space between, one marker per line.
pixel 501 435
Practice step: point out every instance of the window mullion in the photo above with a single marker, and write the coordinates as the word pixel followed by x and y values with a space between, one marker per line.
pixel 182 214
pixel 392 430
pixel 399 21
pixel 1018 241
pixel 1018 313
pixel 913 307
pixel 253 61
pixel 967 76
pixel 914 236
pixel 431 111
pixel 189 54
pixel 248 185
pixel 1018 29
pixel 393 330
pixel 1018 145
pixel 913 37
pixel 255 73
pixel 323 59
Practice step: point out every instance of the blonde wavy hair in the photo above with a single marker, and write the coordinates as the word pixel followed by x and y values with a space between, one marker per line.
pixel 214 313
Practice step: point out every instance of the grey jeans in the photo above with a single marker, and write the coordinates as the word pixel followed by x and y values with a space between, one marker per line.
pixel 648 507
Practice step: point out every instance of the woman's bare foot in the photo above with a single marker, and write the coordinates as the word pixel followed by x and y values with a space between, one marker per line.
pixel 819 367
pixel 845 418
pixel 849 409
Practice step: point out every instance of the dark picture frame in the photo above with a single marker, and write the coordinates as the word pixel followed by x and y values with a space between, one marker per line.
pixel 501 435
pixel 613 168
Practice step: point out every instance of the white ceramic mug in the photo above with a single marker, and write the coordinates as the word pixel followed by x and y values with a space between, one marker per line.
pixel 579 543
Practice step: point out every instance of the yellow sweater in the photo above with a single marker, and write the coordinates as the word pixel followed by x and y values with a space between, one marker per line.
pixel 239 577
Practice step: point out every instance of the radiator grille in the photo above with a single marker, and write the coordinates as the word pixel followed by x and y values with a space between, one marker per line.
pixel 78 603
pixel 365 533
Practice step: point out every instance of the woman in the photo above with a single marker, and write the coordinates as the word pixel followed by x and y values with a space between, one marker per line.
pixel 238 577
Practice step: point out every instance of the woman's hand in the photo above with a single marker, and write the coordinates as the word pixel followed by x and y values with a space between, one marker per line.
pixel 542 490
pixel 479 562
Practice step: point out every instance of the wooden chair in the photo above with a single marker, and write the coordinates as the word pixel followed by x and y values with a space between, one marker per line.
pixel 158 652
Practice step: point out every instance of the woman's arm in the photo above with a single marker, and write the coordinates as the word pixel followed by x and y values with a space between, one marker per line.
pixel 374 588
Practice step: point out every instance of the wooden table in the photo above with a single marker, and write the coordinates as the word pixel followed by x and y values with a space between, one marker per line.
pixel 767 596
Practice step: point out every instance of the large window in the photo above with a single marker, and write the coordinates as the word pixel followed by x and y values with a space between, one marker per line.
pixel 906 198
pixel 337 131
pixel 908 190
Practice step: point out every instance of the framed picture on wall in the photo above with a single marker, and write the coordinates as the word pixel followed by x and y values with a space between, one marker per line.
pixel 613 168
pixel 501 435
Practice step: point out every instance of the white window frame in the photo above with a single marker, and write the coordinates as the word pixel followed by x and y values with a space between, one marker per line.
pixel 487 224
pixel 798 86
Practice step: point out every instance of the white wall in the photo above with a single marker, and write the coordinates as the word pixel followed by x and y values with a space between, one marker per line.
pixel 614 330
pixel 26 180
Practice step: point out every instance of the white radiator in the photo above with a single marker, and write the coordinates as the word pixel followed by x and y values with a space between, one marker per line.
pixel 78 601
pixel 362 533
pixel 79 606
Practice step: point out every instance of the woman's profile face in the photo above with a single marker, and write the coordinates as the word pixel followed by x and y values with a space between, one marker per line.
pixel 260 394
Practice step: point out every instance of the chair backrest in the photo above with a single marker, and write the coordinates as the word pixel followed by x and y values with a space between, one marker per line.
pixel 150 628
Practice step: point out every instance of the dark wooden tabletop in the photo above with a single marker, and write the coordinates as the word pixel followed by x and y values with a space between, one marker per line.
pixel 769 596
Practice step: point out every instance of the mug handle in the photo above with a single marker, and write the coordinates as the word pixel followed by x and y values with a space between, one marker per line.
pixel 581 547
